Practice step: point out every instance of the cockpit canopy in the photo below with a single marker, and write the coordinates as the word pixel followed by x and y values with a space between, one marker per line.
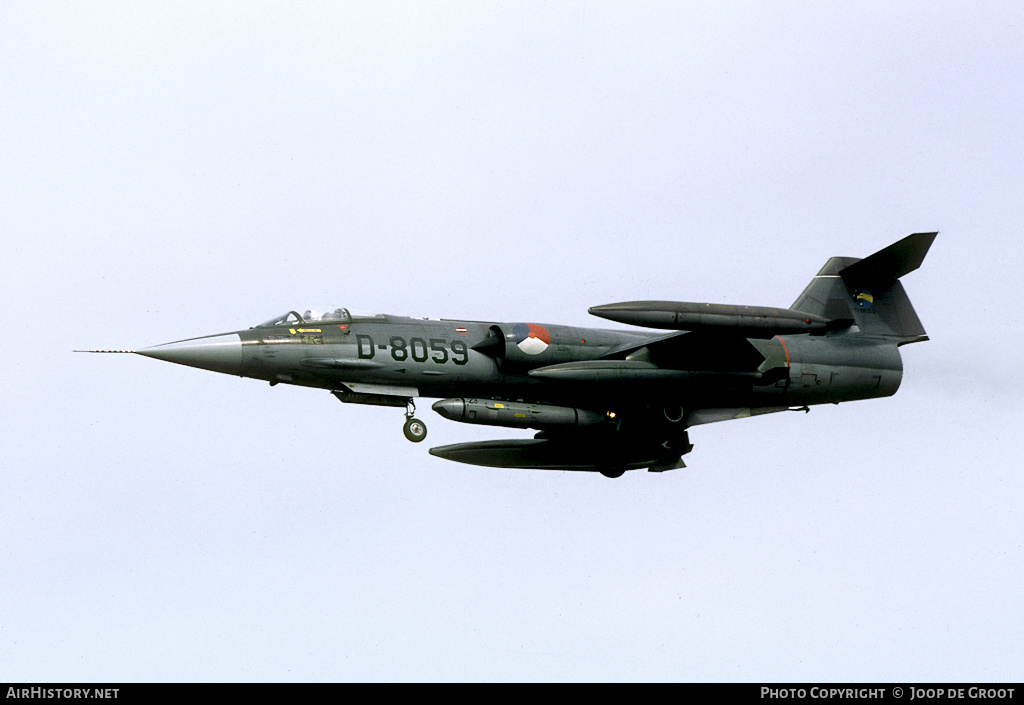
pixel 324 314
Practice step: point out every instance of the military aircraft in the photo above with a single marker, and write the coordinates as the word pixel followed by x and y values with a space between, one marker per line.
pixel 601 400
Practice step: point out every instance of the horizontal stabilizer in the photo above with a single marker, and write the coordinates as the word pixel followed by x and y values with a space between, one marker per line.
pixel 890 263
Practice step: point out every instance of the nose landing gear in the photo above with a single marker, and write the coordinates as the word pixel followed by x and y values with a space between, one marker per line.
pixel 414 429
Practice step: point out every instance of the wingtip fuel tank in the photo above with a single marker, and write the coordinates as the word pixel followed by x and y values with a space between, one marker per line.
pixel 755 321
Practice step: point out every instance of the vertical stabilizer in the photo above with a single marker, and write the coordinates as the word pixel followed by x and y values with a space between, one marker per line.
pixel 869 291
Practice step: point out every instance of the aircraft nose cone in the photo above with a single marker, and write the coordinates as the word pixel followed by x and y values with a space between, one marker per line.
pixel 219 353
pixel 450 408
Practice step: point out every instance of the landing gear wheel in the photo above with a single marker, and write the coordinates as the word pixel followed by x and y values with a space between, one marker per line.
pixel 415 430
pixel 612 472
pixel 674 414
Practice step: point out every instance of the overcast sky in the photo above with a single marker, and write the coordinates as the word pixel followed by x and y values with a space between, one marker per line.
pixel 180 169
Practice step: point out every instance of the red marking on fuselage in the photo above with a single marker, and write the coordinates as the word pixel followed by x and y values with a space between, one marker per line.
pixel 785 349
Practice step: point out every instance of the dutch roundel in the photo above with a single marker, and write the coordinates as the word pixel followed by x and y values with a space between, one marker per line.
pixel 530 338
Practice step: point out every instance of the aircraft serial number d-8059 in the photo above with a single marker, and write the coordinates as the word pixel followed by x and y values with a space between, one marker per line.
pixel 417 349
pixel 600 400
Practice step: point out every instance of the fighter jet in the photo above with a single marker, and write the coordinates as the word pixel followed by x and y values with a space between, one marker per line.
pixel 600 400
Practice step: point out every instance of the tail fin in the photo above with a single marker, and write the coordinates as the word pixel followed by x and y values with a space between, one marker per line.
pixel 868 290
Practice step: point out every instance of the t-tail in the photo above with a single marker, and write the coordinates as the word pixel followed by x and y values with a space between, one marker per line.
pixel 868 291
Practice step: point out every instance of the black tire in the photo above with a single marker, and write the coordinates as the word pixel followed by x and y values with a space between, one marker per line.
pixel 415 430
pixel 612 472
pixel 673 414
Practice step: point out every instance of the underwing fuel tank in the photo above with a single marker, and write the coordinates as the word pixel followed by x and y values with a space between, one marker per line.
pixel 544 455
pixel 752 321
pixel 514 414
